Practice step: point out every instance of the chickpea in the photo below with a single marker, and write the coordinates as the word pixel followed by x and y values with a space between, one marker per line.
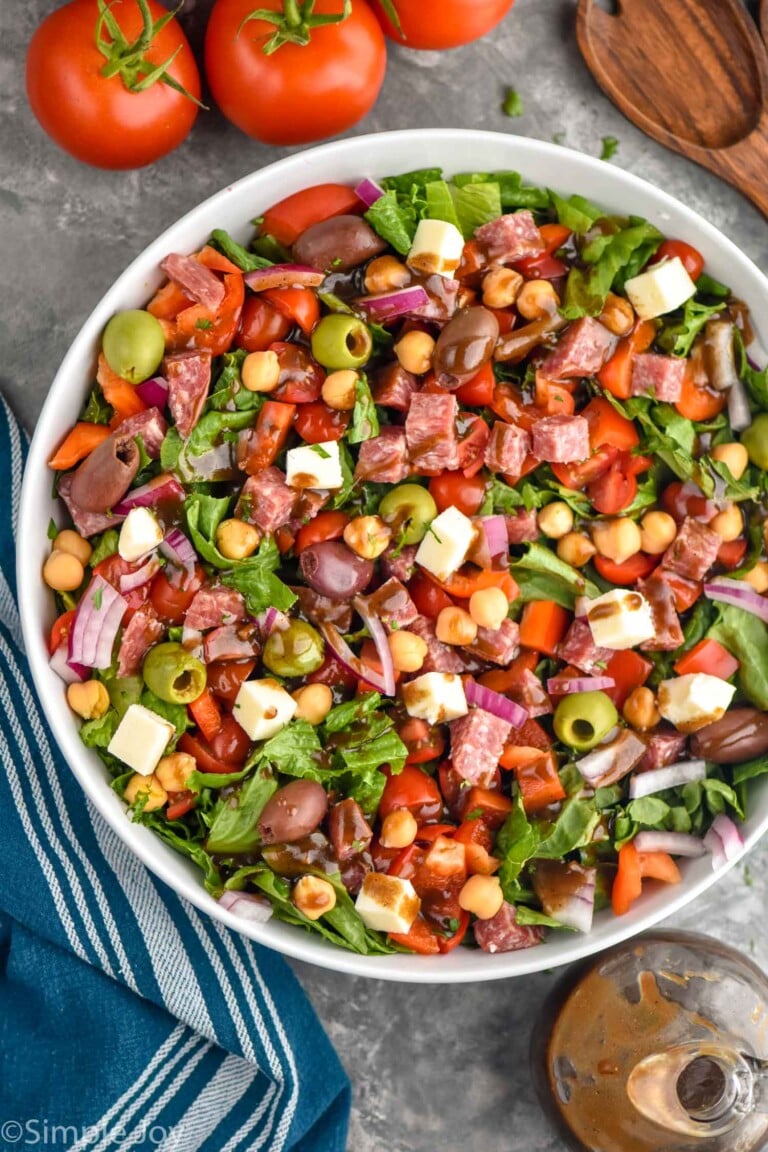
pixel 537 299
pixel 618 315
pixel 314 896
pixel 408 650
pixel 757 578
pixel 236 539
pixel 314 703
pixel 488 607
pixel 640 709
pixel 89 700
pixel 657 532
pixel 501 287
pixel 139 787
pixel 367 536
pixel 63 572
pixel 339 389
pixel 576 549
pixel 398 829
pixel 555 520
pixel 384 274
pixel 734 456
pixel 482 895
pixel 455 626
pixel 260 371
pixel 74 545
pixel 414 352
pixel 617 539
pixel 729 524
pixel 174 771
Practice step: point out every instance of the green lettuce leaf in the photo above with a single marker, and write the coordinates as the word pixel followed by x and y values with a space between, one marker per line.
pixel 245 260
pixel 541 575
pixel 440 202
pixel 476 204
pixel 610 260
pixel 394 220
pixel 746 637
pixel 104 546
pixel 677 336
pixel 576 212
pixel 234 829
pixel 365 419
pixel 755 379
pixel 255 578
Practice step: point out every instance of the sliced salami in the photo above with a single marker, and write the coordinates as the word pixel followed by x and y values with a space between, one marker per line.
pixel 693 552
pixel 150 425
pixel 266 500
pixel 189 378
pixel 660 377
pixel 400 563
pixel 561 439
pixel 507 448
pixel 440 657
pixel 502 933
pixel 213 607
pixel 664 747
pixel 511 237
pixel 384 458
pixel 393 605
pixel 578 648
pixel 669 633
pixel 496 645
pixel 140 633
pixel 582 350
pixel 430 429
pixel 198 282
pixel 477 742
pixel 86 523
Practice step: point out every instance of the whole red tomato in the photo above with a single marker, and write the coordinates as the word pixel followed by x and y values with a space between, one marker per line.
pixel 441 23
pixel 283 92
pixel 96 117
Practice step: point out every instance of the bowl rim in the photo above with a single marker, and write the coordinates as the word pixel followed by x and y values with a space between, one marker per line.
pixel 158 857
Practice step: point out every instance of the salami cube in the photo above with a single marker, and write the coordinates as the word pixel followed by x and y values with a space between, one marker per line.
pixel 511 237
pixel 392 604
pixel 502 933
pixel 384 458
pixel 400 563
pixel 663 748
pixel 496 645
pixel 266 500
pixel 440 657
pixel 693 552
pixel 579 648
pixel 87 523
pixel 198 282
pixel 393 387
pixel 582 351
pixel 189 378
pixel 522 527
pixel 214 606
pixel 658 376
pixel 507 449
pixel 430 429
pixel 561 439
pixel 477 742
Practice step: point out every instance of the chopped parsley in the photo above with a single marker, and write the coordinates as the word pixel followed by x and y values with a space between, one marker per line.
pixel 513 103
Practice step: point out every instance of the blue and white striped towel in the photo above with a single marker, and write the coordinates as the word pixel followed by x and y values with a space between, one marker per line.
pixel 127 1018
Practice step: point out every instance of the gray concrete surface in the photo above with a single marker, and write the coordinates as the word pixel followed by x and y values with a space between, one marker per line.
pixel 432 1067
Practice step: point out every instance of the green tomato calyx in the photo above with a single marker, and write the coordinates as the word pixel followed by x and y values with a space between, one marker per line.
pixel 127 59
pixel 295 23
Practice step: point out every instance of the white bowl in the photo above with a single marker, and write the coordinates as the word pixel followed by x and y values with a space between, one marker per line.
pixel 232 209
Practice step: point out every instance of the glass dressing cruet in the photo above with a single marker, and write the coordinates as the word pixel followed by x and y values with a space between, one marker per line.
pixel 660 1045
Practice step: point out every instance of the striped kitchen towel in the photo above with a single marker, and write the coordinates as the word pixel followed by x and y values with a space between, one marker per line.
pixel 127 1018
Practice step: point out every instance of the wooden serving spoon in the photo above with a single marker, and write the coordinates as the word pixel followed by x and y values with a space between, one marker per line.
pixel 764 19
pixel 692 74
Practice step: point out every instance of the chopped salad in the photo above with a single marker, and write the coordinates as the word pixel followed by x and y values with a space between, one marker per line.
pixel 413 575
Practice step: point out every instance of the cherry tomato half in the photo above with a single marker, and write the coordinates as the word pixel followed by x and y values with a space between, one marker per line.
pixel 261 325
pixel 691 258
pixel 316 422
pixel 454 488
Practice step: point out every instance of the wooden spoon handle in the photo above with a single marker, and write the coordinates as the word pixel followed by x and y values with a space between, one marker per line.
pixel 744 165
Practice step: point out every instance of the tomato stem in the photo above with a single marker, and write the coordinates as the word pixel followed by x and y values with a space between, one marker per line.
pixel 127 59
pixel 392 13
pixel 295 23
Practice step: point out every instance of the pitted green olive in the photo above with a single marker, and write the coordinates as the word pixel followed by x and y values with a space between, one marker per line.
pixel 294 651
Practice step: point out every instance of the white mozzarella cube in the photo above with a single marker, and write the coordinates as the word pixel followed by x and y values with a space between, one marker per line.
pixel 387 903
pixel 436 697
pixel 620 618
pixel 660 289
pixel 139 534
pixel 437 247
pixel 314 466
pixel 263 708
pixel 690 702
pixel 141 739
pixel 446 544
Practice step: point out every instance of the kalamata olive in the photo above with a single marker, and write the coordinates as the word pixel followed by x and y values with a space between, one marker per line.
pixel 105 476
pixel 337 244
pixel 293 812
pixel 334 570
pixel 521 341
pixel 465 344
pixel 740 735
